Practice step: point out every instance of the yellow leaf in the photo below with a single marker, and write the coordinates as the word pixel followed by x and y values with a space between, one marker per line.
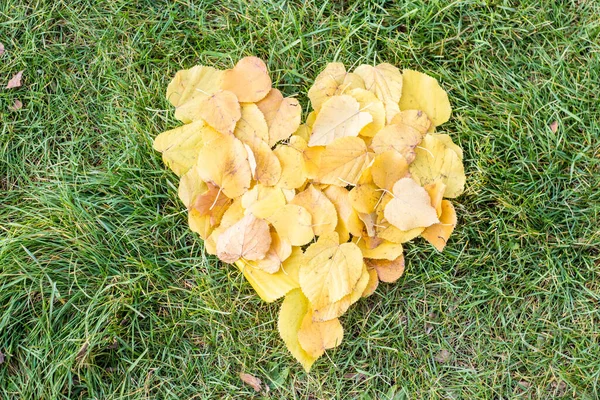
pixel 447 140
pixel 292 167
pixel 364 198
pixel 268 167
pixel 220 110
pixel 312 161
pixel 387 168
pixel 303 132
pixel 200 224
pixel 252 127
pixel 190 84
pixel 316 337
pixel 388 271
pixel 292 312
pixel 338 308
pixel 279 251
pixel 384 251
pixel 326 84
pixel 439 234
pixel 339 117
pixel 269 287
pixel 249 238
pixel 282 115
pixel 422 92
pixel 348 221
pixel 414 118
pixel 369 228
pixel 343 161
pixel 212 203
pixel 436 193
pixel 293 224
pixel 351 81
pixel 224 162
pixel 310 120
pixel 180 146
pixel 384 230
pixel 324 217
pixel 331 272
pixel 435 161
pixel 190 186
pixel 373 283
pixel 402 138
pixel 386 82
pixel 249 80
pixel 370 103
pixel 411 206
pixel 263 201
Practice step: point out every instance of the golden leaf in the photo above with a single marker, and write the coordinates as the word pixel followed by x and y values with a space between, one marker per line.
pixel 402 138
pixel 438 234
pixel 316 337
pixel 388 271
pixel 293 224
pixel 282 115
pixel 249 238
pixel 422 92
pixel 411 206
pixel 190 84
pixel 339 117
pixel 249 80
pixel 324 217
pixel 388 168
pixel 386 82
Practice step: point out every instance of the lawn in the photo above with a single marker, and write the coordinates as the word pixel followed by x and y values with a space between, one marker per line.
pixel 106 294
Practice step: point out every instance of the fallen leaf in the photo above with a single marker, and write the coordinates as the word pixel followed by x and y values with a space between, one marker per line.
pixel 281 114
pixel 343 161
pixel 198 82
pixel 554 126
pixel 249 238
pixel 1 49
pixel 316 337
pixel 331 272
pixel 2 358
pixel 221 111
pixel 251 380
pixel 422 92
pixel 386 82
pixel 340 116
pixel 438 234
pixel 399 137
pixel 16 106
pixel 411 206
pixel 293 224
pixel 443 356
pixel 387 271
pixel 15 81
pixel 326 85
pixel 249 80
pixel 322 211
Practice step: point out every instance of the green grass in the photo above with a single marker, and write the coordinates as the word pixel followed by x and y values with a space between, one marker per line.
pixel 106 294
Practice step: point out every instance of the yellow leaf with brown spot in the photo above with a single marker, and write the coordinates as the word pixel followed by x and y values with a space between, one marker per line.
pixel 435 161
pixel 249 80
pixel 439 234
pixel 340 116
pixel 411 206
pixel 414 118
pixel 422 92
pixel 225 163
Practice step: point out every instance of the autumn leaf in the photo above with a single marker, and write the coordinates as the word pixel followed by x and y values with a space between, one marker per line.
pixel 399 137
pixel 249 80
pixel 326 84
pixel 322 211
pixel 15 81
pixel 422 92
pixel 281 114
pixel 438 234
pixel 293 224
pixel 249 238
pixel 387 270
pixel 411 206
pixel 331 272
pixel 343 161
pixel 386 82
pixel 340 116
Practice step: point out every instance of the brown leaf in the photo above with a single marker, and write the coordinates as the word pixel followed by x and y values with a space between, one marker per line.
pixel 1 49
pixel 15 81
pixel 443 356
pixel 17 106
pixel 554 126
pixel 82 351
pixel 251 380
pixel 1 353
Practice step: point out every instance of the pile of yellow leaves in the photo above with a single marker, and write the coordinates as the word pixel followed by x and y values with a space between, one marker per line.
pixel 316 212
